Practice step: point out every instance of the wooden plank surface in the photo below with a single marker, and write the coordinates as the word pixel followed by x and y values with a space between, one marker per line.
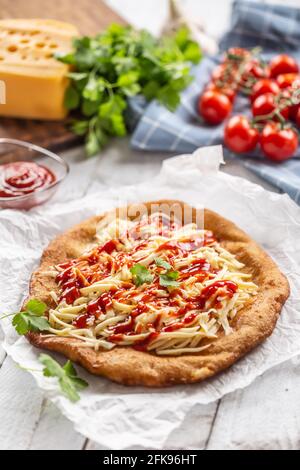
pixel 20 406
pixel 90 17
pixel 51 135
pixel 189 437
pixel 264 415
pixel 55 432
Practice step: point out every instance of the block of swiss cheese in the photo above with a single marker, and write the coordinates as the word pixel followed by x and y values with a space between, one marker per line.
pixel 35 82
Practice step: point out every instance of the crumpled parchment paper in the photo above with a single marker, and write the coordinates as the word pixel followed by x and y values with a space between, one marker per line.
pixel 120 417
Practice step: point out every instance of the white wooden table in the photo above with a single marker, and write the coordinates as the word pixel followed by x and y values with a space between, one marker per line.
pixel 265 415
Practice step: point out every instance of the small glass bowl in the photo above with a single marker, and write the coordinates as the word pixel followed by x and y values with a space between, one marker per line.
pixel 12 150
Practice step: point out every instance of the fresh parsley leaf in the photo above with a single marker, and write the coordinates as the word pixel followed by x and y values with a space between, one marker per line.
pixel 52 368
pixel 141 274
pixel 92 144
pixel 36 307
pixel 70 370
pixel 192 52
pixel 169 97
pixel 111 116
pixel 93 89
pixel 31 319
pixel 169 279
pixel 127 78
pixel 151 89
pixel 38 323
pixel 72 98
pixel 132 90
pixel 182 37
pixel 85 53
pixel 162 263
pixel 65 58
pixel 89 108
pixel 118 125
pixel 77 76
pixel 67 377
pixel 188 47
pixel 80 127
pixel 21 324
pixel 129 83
pixel 114 105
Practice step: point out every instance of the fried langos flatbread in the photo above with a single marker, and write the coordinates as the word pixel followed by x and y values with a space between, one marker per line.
pixel 228 337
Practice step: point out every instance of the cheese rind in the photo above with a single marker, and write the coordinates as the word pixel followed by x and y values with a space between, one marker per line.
pixel 35 81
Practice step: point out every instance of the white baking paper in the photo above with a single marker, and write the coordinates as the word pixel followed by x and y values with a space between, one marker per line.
pixel 119 417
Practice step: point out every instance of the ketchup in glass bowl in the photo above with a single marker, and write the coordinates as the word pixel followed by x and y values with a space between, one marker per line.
pixel 29 175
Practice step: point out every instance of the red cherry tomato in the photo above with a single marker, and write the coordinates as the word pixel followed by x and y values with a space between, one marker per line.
pixel 283 64
pixel 239 135
pixel 265 85
pixel 218 72
pixel 278 144
pixel 214 107
pixel 293 110
pixel 287 79
pixel 255 69
pixel 229 92
pixel 265 104
pixel 223 74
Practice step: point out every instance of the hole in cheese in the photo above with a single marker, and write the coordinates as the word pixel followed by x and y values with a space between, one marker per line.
pixel 40 45
pixel 53 46
pixel 12 48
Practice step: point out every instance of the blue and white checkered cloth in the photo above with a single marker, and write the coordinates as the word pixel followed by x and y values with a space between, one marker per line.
pixel 276 29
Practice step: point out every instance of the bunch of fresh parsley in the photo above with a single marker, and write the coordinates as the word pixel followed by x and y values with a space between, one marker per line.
pixel 120 63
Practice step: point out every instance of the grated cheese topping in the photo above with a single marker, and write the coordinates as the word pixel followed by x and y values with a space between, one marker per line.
pixel 153 285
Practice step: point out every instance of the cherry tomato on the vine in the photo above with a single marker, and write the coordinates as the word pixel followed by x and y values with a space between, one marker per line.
pixel 265 104
pixel 293 110
pixel 287 79
pixel 278 144
pixel 283 64
pixel 218 72
pixel 214 106
pixel 256 69
pixel 239 135
pixel 238 52
pixel 287 96
pixel 228 91
pixel 265 85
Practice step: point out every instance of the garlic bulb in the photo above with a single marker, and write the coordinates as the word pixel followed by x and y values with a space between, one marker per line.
pixel 179 16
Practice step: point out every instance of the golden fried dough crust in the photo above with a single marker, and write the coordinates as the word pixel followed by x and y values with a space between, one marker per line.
pixel 125 365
